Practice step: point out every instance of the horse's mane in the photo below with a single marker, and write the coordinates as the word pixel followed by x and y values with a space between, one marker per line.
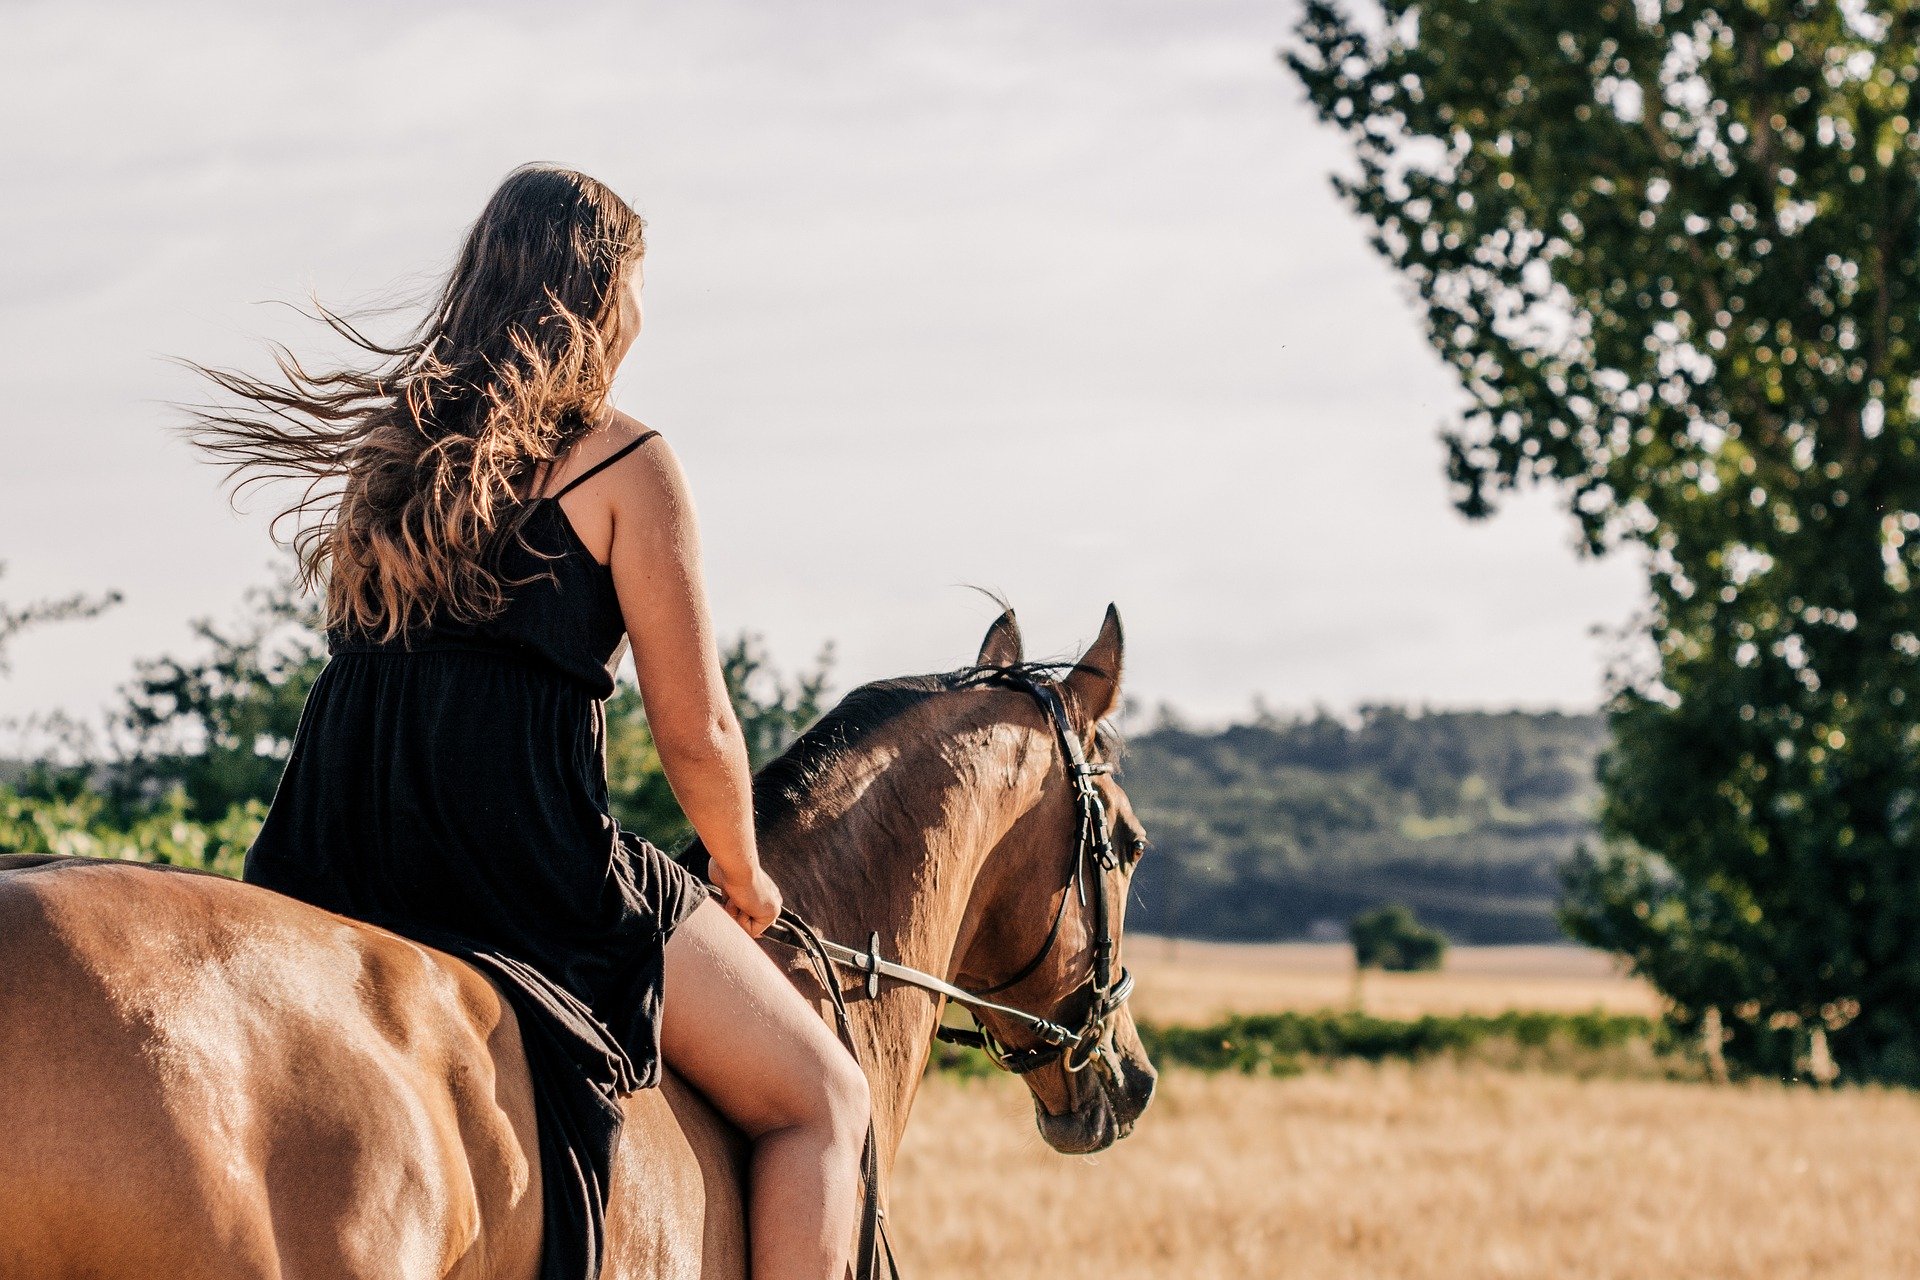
pixel 782 785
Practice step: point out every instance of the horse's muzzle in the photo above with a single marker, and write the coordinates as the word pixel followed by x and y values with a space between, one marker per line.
pixel 1108 1097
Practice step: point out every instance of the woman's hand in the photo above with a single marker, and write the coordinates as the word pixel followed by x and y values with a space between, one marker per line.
pixel 754 902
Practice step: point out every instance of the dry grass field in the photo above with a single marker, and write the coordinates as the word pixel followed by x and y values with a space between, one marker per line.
pixel 1197 982
pixel 1423 1173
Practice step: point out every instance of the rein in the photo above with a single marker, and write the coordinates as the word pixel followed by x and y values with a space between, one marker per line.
pixel 1074 1047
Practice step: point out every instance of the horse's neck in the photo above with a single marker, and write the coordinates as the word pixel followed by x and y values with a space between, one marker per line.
pixel 865 871
pixel 917 919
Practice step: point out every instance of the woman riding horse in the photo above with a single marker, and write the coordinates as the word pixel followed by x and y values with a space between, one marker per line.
pixel 491 533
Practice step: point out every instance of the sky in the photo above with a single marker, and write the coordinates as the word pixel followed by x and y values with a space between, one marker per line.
pixel 1053 299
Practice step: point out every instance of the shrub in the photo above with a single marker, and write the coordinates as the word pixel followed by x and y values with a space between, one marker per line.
pixel 1390 938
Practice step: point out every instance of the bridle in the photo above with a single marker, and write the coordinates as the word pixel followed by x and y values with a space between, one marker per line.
pixel 1074 1047
pixel 1093 860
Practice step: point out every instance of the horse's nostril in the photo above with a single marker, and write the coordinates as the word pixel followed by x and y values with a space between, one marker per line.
pixel 1133 1088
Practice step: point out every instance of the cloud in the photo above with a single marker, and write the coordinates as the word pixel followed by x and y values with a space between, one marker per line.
pixel 1052 298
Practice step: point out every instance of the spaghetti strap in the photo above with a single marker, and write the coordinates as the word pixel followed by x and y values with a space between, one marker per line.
pixel 603 464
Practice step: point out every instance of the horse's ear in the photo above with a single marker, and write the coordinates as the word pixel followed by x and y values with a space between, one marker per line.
pixel 1093 686
pixel 1002 646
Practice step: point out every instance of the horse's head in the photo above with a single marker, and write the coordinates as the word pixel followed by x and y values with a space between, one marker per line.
pixel 1051 894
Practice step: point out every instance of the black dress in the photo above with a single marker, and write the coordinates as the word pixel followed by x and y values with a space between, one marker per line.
pixel 452 786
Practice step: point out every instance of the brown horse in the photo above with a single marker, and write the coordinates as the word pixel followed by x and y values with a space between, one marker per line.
pixel 202 1078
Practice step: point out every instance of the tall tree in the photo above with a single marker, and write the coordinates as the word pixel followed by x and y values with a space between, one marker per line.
pixel 1670 250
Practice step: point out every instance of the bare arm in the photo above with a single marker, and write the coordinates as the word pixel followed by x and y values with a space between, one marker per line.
pixel 655 559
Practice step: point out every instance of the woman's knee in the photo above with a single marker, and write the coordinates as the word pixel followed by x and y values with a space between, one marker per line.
pixel 847 1101
pixel 832 1098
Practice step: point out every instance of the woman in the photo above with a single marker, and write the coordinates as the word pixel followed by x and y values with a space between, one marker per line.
pixel 488 532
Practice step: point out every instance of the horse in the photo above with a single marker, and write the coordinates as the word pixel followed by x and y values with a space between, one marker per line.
pixel 202 1077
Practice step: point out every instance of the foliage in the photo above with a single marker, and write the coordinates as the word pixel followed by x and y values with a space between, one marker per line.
pixel 82 826
pixel 1671 252
pixel 218 727
pixel 772 709
pixel 1281 1044
pixel 203 740
pixel 1284 828
pixel 1391 938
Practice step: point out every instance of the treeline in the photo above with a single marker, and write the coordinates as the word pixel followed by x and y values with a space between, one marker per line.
pixel 184 765
pixel 1286 828
pixel 1266 830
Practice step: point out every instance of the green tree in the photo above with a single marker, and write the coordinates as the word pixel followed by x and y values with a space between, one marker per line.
pixel 219 726
pixel 83 825
pixel 202 740
pixel 772 709
pixel 1670 250
pixel 1391 938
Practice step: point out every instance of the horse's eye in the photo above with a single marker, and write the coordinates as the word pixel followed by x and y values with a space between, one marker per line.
pixel 1134 845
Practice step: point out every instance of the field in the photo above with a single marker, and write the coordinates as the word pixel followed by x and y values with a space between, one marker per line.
pixel 1440 1171
pixel 1422 1173
pixel 1194 982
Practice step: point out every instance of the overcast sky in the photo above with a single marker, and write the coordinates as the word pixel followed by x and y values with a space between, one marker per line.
pixel 1052 298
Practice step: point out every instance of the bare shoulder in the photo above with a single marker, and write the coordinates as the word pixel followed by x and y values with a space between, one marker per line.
pixel 649 464
pixel 649 487
pixel 623 429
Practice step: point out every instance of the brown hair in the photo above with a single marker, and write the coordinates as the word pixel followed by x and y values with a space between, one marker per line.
pixel 411 464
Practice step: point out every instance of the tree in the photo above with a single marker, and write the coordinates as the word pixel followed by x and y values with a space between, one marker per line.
pixel 14 620
pixel 1670 251
pixel 203 741
pixel 772 709
pixel 1391 938
pixel 220 726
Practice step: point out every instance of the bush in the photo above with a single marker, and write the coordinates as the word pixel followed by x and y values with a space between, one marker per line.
pixel 1285 1044
pixel 84 825
pixel 1390 938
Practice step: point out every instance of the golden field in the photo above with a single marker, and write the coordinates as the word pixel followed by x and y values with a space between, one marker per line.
pixel 1442 1171
pixel 1434 1172
pixel 1198 982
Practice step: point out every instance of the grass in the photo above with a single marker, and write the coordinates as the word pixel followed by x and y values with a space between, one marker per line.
pixel 1288 1042
pixel 1277 1009
pixel 1434 1171
pixel 1592 1043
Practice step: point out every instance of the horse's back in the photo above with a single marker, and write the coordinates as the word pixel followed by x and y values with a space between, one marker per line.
pixel 199 1077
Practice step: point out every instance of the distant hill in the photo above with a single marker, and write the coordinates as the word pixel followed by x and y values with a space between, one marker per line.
pixel 1285 829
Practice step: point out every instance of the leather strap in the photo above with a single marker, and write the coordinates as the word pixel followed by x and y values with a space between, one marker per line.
pixel 873 1228
pixel 871 963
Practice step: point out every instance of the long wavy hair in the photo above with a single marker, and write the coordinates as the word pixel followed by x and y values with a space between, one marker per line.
pixel 412 460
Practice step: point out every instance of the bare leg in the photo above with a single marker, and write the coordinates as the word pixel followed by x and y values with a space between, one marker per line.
pixel 734 1028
